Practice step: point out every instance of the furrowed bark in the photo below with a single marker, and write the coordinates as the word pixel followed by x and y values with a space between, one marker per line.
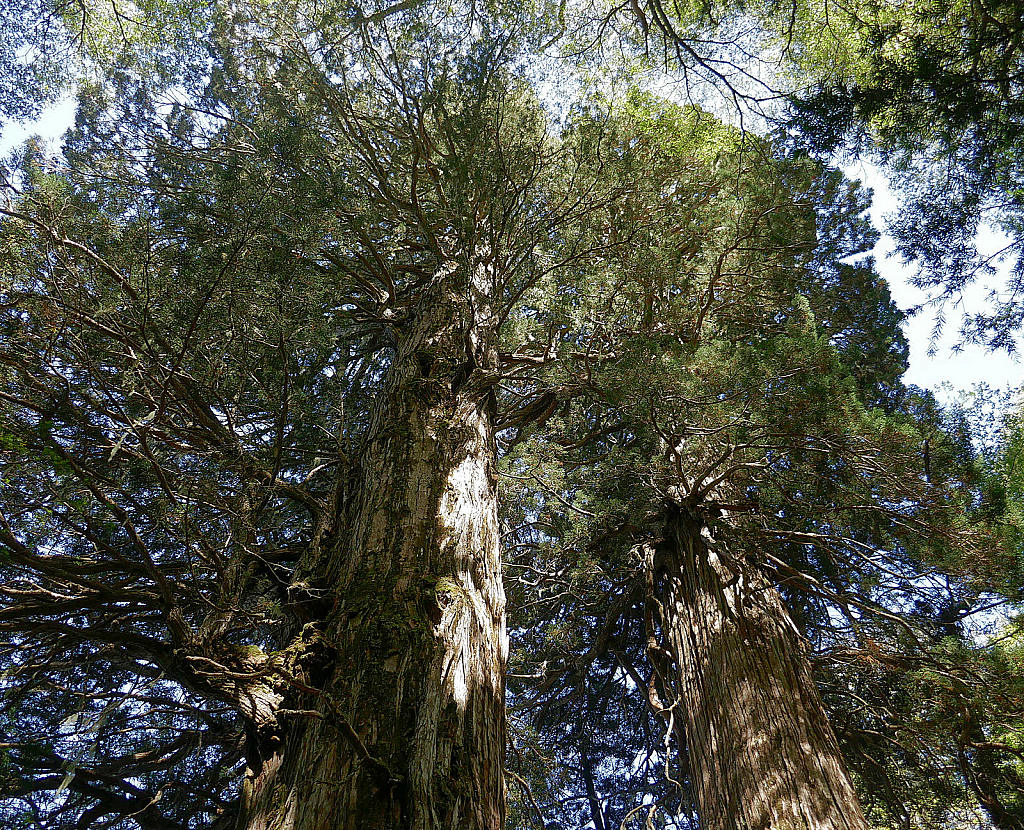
pixel 762 753
pixel 409 729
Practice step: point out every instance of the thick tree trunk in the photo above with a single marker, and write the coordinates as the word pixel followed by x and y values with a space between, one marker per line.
pixel 762 753
pixel 409 730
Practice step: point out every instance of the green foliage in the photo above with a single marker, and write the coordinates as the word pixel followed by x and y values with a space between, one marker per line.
pixel 35 47
pixel 199 300
pixel 931 86
pixel 747 365
pixel 1006 477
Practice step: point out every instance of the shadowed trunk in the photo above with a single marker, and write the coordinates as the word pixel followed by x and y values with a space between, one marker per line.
pixel 981 774
pixel 409 731
pixel 762 753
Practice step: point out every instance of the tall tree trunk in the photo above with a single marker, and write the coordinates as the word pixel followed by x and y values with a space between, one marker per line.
pixel 409 729
pixel 762 753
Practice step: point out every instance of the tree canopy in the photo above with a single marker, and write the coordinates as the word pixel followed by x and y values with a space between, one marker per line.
pixel 320 308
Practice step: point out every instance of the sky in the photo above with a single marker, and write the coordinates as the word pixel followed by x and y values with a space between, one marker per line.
pixel 947 371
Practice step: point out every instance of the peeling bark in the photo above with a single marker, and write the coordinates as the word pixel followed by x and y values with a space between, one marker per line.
pixel 762 753
pixel 409 729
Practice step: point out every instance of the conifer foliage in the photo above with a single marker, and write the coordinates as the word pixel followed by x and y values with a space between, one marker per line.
pixel 359 360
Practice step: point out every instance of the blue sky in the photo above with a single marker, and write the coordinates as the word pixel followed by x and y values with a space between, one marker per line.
pixel 958 369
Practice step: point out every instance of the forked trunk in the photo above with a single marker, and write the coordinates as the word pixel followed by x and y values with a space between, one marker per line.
pixel 762 753
pixel 409 730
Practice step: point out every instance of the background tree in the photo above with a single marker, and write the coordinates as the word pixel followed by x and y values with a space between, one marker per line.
pixel 929 89
pixel 932 90
pixel 694 395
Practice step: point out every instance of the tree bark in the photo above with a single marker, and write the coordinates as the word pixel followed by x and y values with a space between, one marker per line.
pixel 762 753
pixel 409 730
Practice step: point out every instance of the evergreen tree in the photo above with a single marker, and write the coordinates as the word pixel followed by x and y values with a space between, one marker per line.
pixel 931 89
pixel 250 351
pixel 720 463
pixel 270 321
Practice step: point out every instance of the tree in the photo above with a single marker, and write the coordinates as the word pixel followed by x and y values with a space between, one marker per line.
pixel 178 333
pixel 265 323
pixel 697 465
pixel 932 90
